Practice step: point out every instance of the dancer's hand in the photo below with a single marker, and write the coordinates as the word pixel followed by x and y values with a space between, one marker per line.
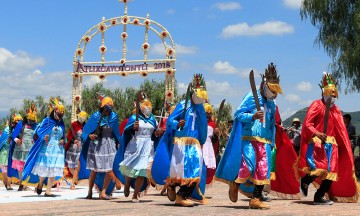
pixel 321 136
pixel 77 143
pixel 46 138
pixel 18 141
pixel 136 125
pixel 159 132
pixel 61 142
pixel 258 115
pixel 93 137
pixel 181 123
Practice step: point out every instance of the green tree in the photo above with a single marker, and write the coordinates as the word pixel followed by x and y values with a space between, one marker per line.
pixel 339 33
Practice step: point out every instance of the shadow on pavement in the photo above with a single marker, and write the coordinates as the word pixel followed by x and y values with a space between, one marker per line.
pixel 304 202
pixel 232 207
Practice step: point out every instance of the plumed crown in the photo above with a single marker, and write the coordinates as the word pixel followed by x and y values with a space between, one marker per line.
pixel 17 117
pixel 328 84
pixel 270 75
pixel 327 80
pixel 271 78
pixel 198 82
pixel 56 103
pixel 31 113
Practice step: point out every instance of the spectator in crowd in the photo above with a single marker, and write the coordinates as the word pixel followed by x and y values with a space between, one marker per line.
pixel 294 133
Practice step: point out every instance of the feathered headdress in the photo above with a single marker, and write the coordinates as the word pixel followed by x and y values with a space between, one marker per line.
pixel 328 85
pixel 56 103
pixel 145 101
pixel 31 113
pixel 17 117
pixel 105 100
pixel 271 78
pixel 199 86
pixel 169 106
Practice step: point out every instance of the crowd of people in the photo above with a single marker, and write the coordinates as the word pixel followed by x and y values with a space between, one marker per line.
pixel 182 151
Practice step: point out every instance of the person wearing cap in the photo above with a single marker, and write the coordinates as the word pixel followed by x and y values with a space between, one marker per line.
pixel 178 159
pixel 73 146
pixel 21 145
pixel 326 156
pixel 100 136
pixel 247 157
pixel 294 133
pixel 46 159
pixel 139 142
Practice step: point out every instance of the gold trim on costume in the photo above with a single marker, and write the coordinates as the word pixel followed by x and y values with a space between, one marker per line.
pixel 186 141
pixel 323 174
pixel 256 138
pixel 182 181
pixel 329 139
pixel 255 181
pixel 272 176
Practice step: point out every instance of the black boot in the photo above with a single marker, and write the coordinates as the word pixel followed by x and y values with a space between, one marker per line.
pixel 305 182
pixel 320 193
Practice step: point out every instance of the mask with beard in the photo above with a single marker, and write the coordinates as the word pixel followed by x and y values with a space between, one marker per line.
pixel 81 120
pixel 196 99
pixel 333 99
pixel 268 93
pixel 146 110
pixel 58 116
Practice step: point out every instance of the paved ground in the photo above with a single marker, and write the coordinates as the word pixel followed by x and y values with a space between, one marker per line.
pixel 73 203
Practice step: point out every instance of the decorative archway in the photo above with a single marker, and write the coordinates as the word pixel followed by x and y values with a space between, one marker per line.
pixel 123 66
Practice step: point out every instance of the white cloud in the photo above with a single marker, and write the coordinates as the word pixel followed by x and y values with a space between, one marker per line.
pixel 92 80
pixel 221 88
pixel 159 49
pixel 267 28
pixel 19 61
pixel 304 86
pixel 227 6
pixel 293 98
pixel 21 79
pixel 293 4
pixel 170 11
pixel 182 87
pixel 224 67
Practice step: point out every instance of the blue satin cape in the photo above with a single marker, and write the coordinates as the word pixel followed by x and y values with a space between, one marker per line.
pixel 43 129
pixel 161 165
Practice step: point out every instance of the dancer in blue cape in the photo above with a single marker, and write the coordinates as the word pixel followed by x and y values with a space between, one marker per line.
pixel 136 154
pixel 21 143
pixel 247 156
pixel 100 137
pixel 46 157
pixel 4 152
pixel 178 159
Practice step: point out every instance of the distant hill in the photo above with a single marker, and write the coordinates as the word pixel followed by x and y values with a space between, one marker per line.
pixel 355 118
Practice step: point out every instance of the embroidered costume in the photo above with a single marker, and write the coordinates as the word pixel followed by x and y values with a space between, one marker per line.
pixel 46 159
pixel 100 136
pixel 22 141
pixel 247 156
pixel 326 155
pixel 178 159
pixel 73 147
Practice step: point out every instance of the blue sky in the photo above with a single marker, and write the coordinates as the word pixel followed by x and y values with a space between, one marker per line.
pixel 223 40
